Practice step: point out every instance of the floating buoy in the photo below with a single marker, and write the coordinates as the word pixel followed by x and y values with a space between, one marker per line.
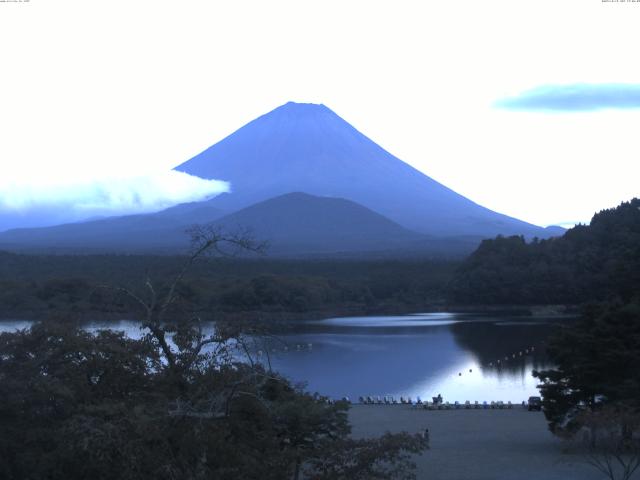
pixel 470 370
pixel 459 374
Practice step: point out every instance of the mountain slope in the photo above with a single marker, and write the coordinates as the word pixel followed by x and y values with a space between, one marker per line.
pixel 297 222
pixel 155 232
pixel 308 148
pixel 589 263
pixel 294 224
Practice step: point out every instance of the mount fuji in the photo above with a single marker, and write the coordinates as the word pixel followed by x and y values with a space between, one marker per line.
pixel 308 182
pixel 301 147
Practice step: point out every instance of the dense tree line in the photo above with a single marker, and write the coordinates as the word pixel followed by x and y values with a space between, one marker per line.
pixel 177 403
pixel 595 262
pixel 32 286
pixel 593 390
pixel 592 394
pixel 596 363
pixel 594 387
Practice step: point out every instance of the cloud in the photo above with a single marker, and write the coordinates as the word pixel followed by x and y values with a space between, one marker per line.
pixel 575 98
pixel 110 196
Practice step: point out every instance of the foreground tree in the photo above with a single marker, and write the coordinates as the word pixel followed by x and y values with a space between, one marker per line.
pixel 608 441
pixel 178 403
pixel 593 395
pixel 596 364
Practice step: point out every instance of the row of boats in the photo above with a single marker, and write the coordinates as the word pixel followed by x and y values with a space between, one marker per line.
pixel 436 404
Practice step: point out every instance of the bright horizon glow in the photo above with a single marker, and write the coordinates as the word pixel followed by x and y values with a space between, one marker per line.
pixel 94 90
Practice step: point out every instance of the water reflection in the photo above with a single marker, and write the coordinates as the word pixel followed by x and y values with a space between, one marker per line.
pixel 415 320
pixel 13 325
pixel 508 346
pixel 462 357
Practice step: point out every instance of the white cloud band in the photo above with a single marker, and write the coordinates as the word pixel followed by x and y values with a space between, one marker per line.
pixel 110 196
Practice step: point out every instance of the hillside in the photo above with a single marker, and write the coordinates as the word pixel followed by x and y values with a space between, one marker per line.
pixel 294 224
pixel 301 223
pixel 590 262
pixel 162 232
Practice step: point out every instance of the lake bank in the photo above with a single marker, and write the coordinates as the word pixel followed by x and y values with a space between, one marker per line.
pixel 314 314
pixel 477 444
pixel 463 356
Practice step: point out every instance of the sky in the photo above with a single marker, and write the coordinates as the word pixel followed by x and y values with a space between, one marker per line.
pixel 530 108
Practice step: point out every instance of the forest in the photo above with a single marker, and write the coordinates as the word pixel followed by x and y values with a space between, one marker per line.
pixel 595 262
pixel 32 286
pixel 175 403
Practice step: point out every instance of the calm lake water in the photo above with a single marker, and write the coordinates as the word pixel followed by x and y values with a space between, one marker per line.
pixel 455 355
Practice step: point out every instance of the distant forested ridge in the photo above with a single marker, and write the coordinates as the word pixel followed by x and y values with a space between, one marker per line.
pixel 595 262
pixel 598 262
pixel 34 286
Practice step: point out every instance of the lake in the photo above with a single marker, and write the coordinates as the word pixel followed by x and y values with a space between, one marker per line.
pixel 461 356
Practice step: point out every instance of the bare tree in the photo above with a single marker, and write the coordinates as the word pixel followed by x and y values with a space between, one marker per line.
pixel 178 334
pixel 610 441
pixel 184 404
pixel 188 336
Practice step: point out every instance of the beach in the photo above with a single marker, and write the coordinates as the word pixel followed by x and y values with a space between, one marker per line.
pixel 509 444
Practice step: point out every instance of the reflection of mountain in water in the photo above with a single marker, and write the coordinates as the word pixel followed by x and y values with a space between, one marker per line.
pixel 501 340
pixel 404 355
pixel 414 355
pixel 366 361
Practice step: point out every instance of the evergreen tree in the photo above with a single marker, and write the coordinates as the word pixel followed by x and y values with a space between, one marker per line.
pixel 596 365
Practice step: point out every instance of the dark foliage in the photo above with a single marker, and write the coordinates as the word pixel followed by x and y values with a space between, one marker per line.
pixel 611 444
pixel 77 405
pixel 589 263
pixel 32 286
pixel 598 265
pixel 597 364
pixel 177 403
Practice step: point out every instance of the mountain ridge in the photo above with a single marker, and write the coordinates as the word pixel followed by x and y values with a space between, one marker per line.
pixel 295 225
pixel 309 148
pixel 302 153
pixel 299 222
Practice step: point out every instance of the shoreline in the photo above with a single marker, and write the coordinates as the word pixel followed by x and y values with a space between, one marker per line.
pixel 523 311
